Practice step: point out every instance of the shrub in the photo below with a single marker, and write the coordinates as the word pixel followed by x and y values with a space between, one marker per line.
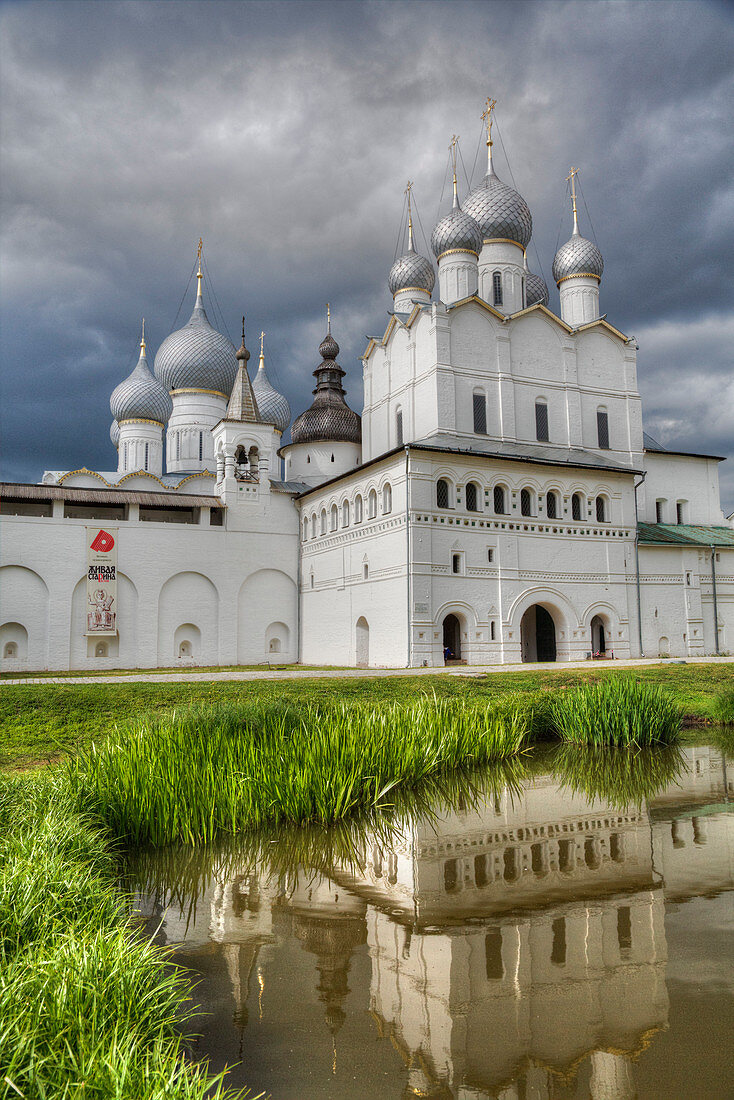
pixel 616 711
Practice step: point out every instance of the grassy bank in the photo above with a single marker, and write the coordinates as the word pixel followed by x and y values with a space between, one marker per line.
pixel 41 723
pixel 227 768
pixel 87 1009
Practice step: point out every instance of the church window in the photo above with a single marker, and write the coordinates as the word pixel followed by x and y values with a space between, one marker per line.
pixel 387 499
pixel 526 502
pixel 457 563
pixel 312 580
pixel 551 505
pixel 147 445
pixel 680 511
pixel 323 521
pixel 558 950
pixel 399 427
pixel 624 929
pixel 308 460
pixel 334 518
pixel 499 501
pixel 332 458
pixel 372 504
pixel 541 421
pixel 472 497
pixel 602 428
pixel 365 570
pixel 201 447
pixel 178 445
pixel 659 511
pixel 442 493
pixel 345 513
pixel 479 407
pixel 358 509
pixel 490 554
pixel 601 510
pixel 576 507
pixel 313 526
pixel 492 630
pixel 493 956
pixel 305 529
pixel 497 287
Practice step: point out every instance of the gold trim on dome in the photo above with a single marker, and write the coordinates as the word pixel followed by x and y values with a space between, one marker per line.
pixel 141 420
pixel 190 477
pixel 195 389
pixel 452 251
pixel 84 470
pixel 503 240
pixel 580 275
pixel 420 289
pixel 142 473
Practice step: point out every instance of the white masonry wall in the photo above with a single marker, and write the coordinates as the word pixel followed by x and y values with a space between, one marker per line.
pixel 690 479
pixel 678 604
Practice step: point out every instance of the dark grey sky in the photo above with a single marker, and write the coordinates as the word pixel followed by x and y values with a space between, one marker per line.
pixel 283 134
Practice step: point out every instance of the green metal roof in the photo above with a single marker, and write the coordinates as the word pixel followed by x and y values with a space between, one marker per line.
pixel 685 534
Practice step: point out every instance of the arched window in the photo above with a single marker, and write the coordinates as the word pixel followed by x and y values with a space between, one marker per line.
pixel 147 446
pixel 10 650
pixel 541 421
pixel 497 287
pixel 333 518
pixel 680 511
pixel 500 508
pixel 313 526
pixel 308 460
pixel 551 505
pixel 201 449
pixel 472 497
pixel 323 521
pixel 576 507
pixel 602 428
pixel 372 504
pixel 399 427
pixel 358 509
pixel 601 510
pixel 305 528
pixel 442 493
pixel 479 410
pixel 387 499
pixel 526 502
pixel 178 445
pixel 523 292
pixel 345 513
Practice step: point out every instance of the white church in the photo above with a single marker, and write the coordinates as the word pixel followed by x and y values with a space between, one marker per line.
pixel 496 502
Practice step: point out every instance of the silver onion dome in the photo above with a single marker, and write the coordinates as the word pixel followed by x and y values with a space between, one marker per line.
pixel 115 433
pixel 197 357
pixel 536 289
pixel 457 232
pixel 272 406
pixel 577 257
pixel 411 272
pixel 141 396
pixel 329 417
pixel 499 211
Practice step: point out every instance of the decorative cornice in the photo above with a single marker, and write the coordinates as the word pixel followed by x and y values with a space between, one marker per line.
pixel 503 240
pixel 141 420
pixel 412 290
pixel 84 470
pixel 453 251
pixel 216 393
pixel 142 473
pixel 580 275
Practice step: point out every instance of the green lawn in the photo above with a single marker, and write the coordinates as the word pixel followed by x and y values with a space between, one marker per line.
pixel 39 723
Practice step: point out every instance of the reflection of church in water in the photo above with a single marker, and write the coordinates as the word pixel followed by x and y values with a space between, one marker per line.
pixel 506 948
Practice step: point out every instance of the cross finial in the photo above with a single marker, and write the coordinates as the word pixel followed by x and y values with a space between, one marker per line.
pixel 243 330
pixel 142 337
pixel 571 178
pixel 262 342
pixel 452 150
pixel 328 317
pixel 487 116
pixel 409 192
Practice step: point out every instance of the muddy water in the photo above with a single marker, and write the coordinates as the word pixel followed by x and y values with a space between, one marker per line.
pixel 555 929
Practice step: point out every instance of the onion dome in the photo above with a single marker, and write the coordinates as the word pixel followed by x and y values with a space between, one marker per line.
pixel 499 211
pixel 536 288
pixel 141 396
pixel 272 405
pixel 197 357
pixel 411 271
pixel 577 257
pixel 457 232
pixel 329 417
pixel 115 433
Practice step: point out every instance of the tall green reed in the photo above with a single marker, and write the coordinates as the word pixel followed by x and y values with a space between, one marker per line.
pixel 724 708
pixel 616 711
pixel 193 775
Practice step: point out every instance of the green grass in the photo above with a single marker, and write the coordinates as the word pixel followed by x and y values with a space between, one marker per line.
pixel 41 723
pixel 88 1009
pixel 616 711
pixel 723 708
pixel 195 774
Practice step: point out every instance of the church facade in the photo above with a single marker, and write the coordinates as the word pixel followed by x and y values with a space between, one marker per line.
pixel 497 501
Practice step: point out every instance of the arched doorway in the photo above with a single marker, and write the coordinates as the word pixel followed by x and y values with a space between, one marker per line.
pixel 452 638
pixel 363 642
pixel 599 636
pixel 538 635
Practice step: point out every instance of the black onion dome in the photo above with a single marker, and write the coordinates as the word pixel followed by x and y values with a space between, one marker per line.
pixel 329 417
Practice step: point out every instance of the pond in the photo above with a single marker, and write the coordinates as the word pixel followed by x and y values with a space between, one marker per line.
pixel 559 927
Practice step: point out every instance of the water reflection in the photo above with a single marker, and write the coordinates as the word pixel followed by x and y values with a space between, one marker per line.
pixel 506 938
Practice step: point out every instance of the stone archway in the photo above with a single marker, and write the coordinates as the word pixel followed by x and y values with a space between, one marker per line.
pixel 362 642
pixel 452 638
pixel 538 634
pixel 600 636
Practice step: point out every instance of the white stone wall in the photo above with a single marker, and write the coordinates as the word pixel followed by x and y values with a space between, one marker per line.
pixel 229 592
pixel 189 433
pixel 678 603
pixel 694 481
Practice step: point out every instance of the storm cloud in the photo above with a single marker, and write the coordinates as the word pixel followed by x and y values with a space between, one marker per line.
pixel 284 133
